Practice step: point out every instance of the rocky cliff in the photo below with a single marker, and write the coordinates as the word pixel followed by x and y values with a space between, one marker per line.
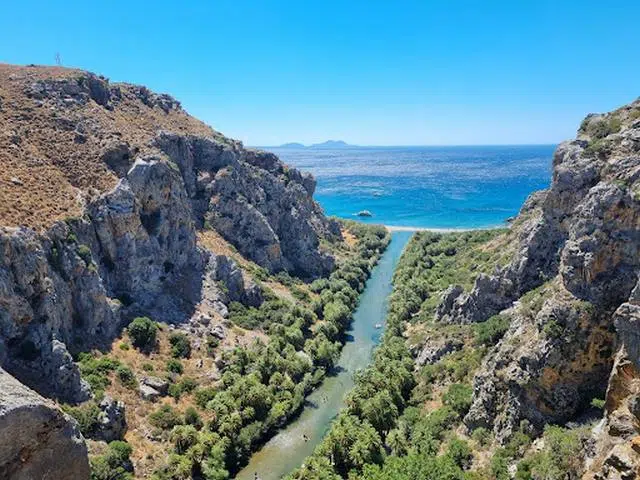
pixel 104 190
pixel 571 293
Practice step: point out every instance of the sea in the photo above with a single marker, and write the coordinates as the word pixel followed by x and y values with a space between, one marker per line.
pixel 425 187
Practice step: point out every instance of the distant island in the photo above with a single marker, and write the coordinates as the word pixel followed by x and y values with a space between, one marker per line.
pixel 331 144
pixel 328 144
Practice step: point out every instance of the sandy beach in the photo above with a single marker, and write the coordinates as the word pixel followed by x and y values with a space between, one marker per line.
pixel 395 228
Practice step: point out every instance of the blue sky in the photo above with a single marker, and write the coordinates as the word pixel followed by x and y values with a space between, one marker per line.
pixel 368 72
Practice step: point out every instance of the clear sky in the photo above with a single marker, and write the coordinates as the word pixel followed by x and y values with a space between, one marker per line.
pixel 367 72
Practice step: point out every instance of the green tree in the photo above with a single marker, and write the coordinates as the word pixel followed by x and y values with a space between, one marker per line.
pixel 143 331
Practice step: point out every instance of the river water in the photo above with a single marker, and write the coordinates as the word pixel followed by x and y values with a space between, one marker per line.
pixel 287 450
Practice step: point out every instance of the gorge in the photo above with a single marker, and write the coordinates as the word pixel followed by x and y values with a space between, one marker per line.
pixel 174 305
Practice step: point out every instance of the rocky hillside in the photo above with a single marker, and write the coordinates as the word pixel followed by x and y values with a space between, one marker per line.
pixel 112 203
pixel 571 293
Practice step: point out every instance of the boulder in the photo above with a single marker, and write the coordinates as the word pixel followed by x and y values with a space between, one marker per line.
pixel 112 420
pixel 218 332
pixel 158 384
pixel 38 440
pixel 149 393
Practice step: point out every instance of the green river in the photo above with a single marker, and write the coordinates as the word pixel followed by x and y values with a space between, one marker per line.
pixel 287 450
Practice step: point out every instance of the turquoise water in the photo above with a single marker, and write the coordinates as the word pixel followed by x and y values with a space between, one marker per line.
pixel 288 449
pixel 439 187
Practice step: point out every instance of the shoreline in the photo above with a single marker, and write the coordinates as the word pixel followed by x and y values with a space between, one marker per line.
pixel 395 228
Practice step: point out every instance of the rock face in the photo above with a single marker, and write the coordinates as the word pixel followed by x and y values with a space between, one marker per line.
pixel 434 349
pixel 39 441
pixel 571 288
pixel 103 225
pixel 255 201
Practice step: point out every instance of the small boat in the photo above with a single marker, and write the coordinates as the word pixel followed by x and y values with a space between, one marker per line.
pixel 378 325
pixel 364 213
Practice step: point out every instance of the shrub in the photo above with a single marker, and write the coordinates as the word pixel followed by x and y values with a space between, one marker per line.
pixel 95 370
pixel 500 465
pixel 552 329
pixel 147 367
pixel 318 285
pixel 165 418
pixel 481 435
pixel 458 397
pixel 192 417
pixel 180 345
pixel 460 453
pixel 186 385
pixel 85 253
pixel 115 464
pixel 490 332
pixel 126 377
pixel 174 366
pixel 561 456
pixel 597 403
pixel 143 331
pixel 300 293
pixel 86 414
pixel 175 391
pixel 211 344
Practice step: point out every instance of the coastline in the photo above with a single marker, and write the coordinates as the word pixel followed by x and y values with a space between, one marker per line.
pixel 403 228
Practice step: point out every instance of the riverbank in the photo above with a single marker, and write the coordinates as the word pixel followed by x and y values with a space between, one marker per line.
pixel 287 450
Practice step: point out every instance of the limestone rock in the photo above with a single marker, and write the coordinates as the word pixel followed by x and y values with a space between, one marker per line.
pixel 434 349
pixel 39 441
pixel 149 393
pixel 218 332
pixel 158 384
pixel 264 208
pixel 112 420
pixel 577 256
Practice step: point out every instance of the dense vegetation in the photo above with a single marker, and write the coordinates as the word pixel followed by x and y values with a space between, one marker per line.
pixel 402 423
pixel 262 385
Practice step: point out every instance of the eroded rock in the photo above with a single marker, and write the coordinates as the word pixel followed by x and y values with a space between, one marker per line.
pixel 39 441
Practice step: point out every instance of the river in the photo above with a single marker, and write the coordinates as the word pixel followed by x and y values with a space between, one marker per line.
pixel 287 450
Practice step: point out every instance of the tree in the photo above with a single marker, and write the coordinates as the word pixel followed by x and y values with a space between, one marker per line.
pixel 380 411
pixel 143 331
pixel 183 437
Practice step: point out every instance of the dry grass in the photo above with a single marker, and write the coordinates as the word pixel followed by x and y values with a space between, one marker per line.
pixel 46 175
pixel 349 238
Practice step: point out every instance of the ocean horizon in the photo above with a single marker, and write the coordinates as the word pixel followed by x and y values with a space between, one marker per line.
pixel 440 187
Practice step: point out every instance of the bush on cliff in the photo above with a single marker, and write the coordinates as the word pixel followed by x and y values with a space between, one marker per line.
pixel 143 331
